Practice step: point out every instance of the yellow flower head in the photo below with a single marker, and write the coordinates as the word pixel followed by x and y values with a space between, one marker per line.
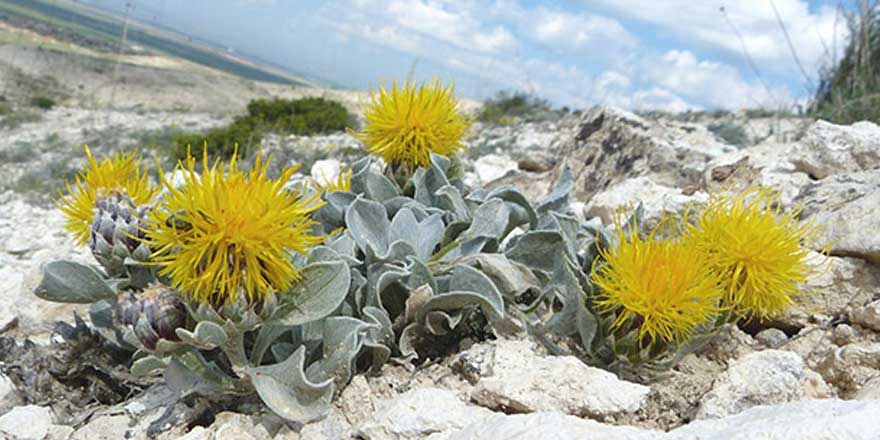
pixel 661 285
pixel 342 183
pixel 757 251
pixel 122 174
pixel 409 122
pixel 225 230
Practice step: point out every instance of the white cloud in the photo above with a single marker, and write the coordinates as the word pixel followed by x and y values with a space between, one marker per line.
pixel 565 31
pixel 814 34
pixel 658 98
pixel 712 83
pixel 582 57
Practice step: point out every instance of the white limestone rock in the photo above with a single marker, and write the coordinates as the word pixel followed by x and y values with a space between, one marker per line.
pixel 418 413
pixel 549 425
pixel 845 206
pixel 29 422
pixel 493 166
pixel 826 419
pixel 868 316
pixel 522 380
pixel 761 378
pixel 828 149
pixel 656 200
pixel 325 170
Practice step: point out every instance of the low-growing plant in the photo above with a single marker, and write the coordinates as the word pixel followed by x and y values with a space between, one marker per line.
pixel 229 283
pixel 306 116
pixel 850 90
pixel 43 102
pixel 505 107
pixel 17 117
pixel 731 133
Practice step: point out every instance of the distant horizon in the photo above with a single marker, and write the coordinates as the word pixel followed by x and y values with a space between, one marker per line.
pixel 632 54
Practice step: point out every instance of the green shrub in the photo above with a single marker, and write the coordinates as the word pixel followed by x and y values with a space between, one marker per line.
pixel 732 133
pixel 245 132
pixel 43 102
pixel 306 116
pixel 506 106
pixel 14 119
pixel 850 91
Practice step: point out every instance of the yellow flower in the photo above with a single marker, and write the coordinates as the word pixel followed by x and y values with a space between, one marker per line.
pixel 756 250
pixel 122 174
pixel 225 230
pixel 409 122
pixel 661 285
pixel 342 183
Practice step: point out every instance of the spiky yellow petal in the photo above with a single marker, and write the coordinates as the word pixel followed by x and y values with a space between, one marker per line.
pixel 660 285
pixel 341 183
pixel 757 250
pixel 120 173
pixel 226 230
pixel 409 122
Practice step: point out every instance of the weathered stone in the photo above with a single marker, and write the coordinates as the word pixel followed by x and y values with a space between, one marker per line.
pixel 611 145
pixel 7 389
pixel 828 149
pixel 417 413
pixel 871 390
pixel 850 367
pixel 22 313
pixel 548 425
pixel 332 427
pixel 844 206
pixel 761 378
pixel 59 432
pixel 197 433
pixel 524 381
pixel 836 285
pixel 765 165
pixel 29 422
pixel 656 200
pixel 325 170
pixel 110 427
pixel 828 419
pixel 493 166
pixel 234 426
pixel 356 402
pixel 868 316
pixel 771 337
pixel 843 334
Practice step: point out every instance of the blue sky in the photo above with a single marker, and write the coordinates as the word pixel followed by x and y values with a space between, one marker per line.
pixel 636 54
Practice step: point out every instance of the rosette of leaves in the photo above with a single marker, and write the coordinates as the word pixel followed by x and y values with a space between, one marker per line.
pixel 550 271
pixel 287 350
pixel 414 252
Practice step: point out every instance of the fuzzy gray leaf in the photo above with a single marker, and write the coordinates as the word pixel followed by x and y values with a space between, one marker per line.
pixel 558 197
pixel 369 225
pixel 285 389
pixel 511 278
pixel 318 293
pixel 69 282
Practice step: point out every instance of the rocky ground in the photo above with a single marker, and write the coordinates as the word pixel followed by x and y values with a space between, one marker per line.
pixel 811 374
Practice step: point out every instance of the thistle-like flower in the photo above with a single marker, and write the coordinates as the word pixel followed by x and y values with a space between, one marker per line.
pixel 226 230
pixel 659 285
pixel 409 122
pixel 120 175
pixel 160 309
pixel 756 250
